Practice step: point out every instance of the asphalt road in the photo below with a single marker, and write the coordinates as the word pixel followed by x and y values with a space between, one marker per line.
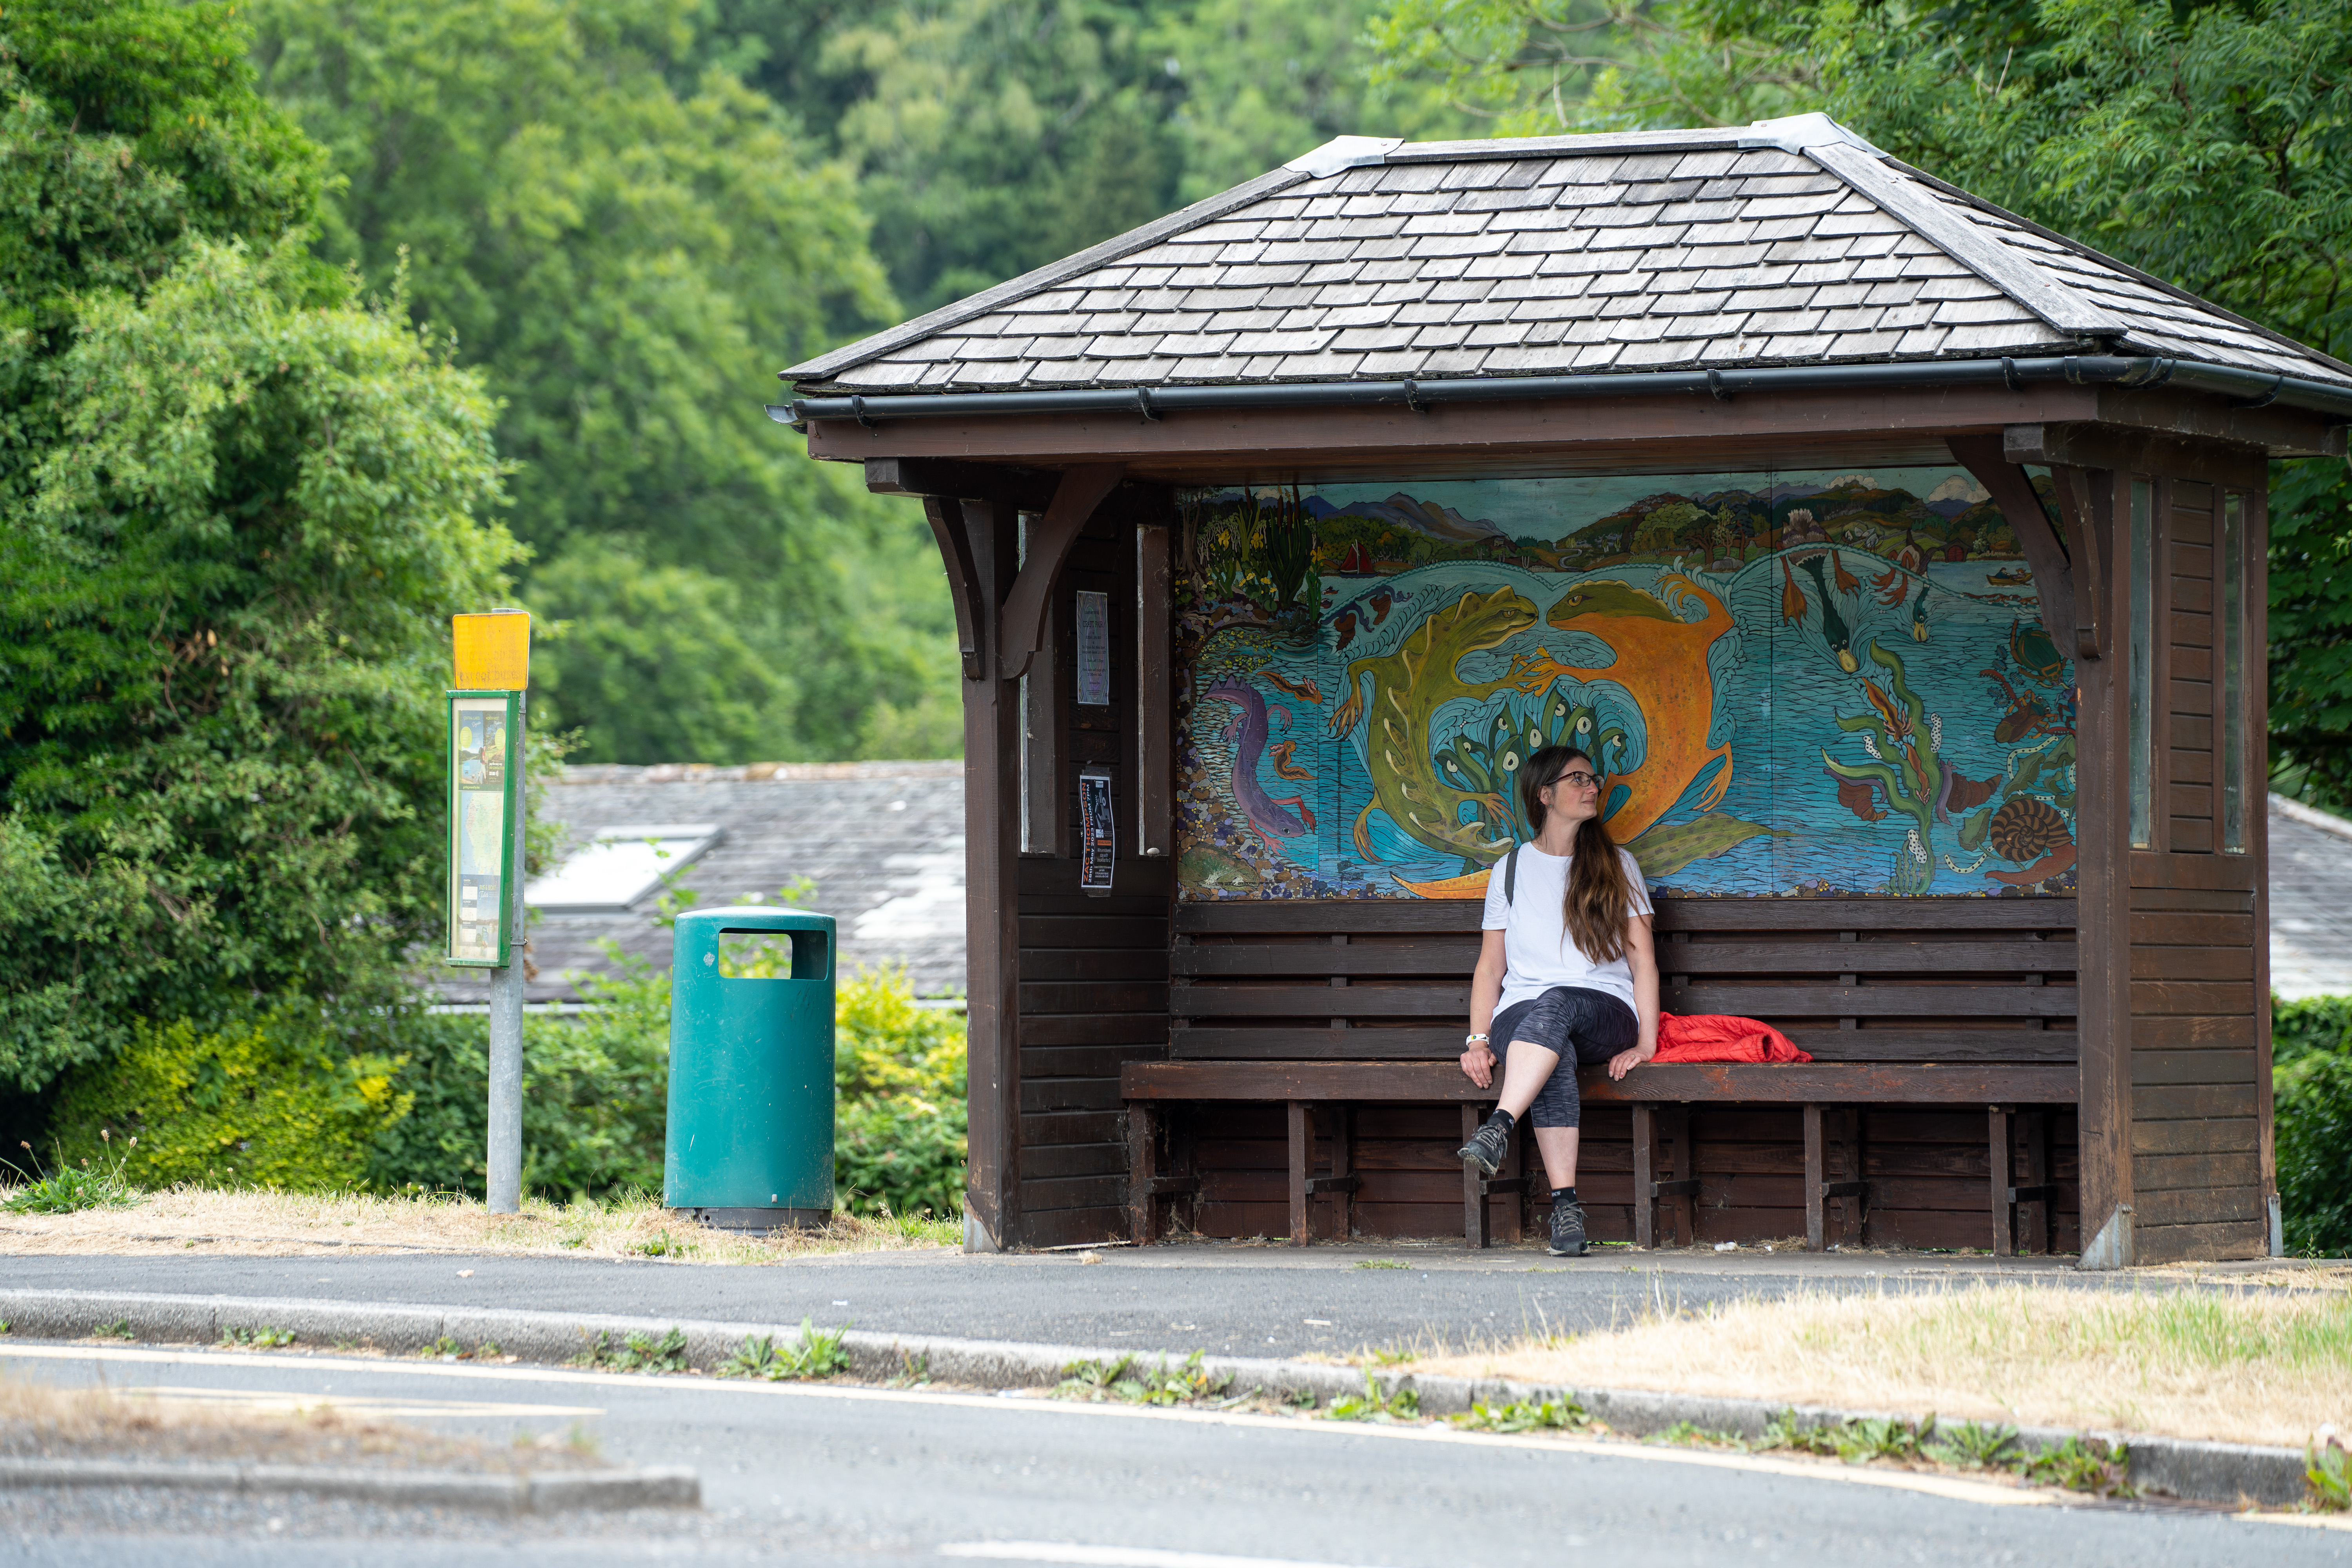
pixel 1241 1300
pixel 821 1475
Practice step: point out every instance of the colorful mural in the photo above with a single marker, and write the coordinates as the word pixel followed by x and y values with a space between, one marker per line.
pixel 1800 684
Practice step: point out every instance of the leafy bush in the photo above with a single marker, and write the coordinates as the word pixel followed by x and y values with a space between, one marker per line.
pixel 596 1095
pixel 899 1070
pixel 2314 1023
pixel 275 1103
pixel 2313 1110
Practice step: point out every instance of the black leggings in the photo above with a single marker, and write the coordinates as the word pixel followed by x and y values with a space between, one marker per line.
pixel 1582 1026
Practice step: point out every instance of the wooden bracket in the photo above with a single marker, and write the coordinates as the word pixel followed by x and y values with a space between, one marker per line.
pixel 955 553
pixel 1023 621
pixel 2053 580
pixel 2086 499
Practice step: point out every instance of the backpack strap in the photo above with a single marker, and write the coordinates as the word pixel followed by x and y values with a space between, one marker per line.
pixel 1511 876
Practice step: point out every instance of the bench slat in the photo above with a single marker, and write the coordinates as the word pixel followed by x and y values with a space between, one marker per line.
pixel 1455 957
pixel 1291 1044
pixel 1767 1001
pixel 1435 916
pixel 1789 1084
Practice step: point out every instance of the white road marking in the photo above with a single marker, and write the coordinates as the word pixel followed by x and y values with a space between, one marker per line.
pixel 1955 1488
pixel 1113 1556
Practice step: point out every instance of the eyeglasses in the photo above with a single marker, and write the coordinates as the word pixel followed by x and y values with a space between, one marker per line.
pixel 1576 778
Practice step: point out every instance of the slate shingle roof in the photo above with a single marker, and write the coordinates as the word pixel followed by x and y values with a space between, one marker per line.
pixel 1557 256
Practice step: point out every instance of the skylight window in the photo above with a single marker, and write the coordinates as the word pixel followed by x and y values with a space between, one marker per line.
pixel 620 867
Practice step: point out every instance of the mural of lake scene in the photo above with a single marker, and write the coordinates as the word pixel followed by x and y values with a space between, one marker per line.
pixel 1800 684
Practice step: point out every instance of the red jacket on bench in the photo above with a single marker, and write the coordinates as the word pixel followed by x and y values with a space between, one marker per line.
pixel 1717 1037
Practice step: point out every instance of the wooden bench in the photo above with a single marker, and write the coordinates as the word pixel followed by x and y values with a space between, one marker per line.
pixel 1914 1002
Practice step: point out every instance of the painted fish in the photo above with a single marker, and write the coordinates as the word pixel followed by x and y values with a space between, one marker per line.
pixel 1408 688
pixel 1661 659
pixel 1282 765
pixel 1919 615
pixel 1266 814
pixel 1305 691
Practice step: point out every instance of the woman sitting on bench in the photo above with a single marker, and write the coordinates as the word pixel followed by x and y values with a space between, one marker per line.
pixel 1566 977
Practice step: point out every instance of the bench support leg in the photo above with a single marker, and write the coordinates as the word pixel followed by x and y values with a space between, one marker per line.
pixel 1142 1171
pixel 1676 1124
pixel 1817 1177
pixel 1343 1198
pixel 1301 1146
pixel 2001 1155
pixel 1474 1231
pixel 2035 1127
pixel 1646 1175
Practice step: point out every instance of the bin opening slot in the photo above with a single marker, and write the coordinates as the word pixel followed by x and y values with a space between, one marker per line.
pixel 748 954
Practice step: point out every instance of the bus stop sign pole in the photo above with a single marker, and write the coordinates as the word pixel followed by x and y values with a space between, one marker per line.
pixel 487 714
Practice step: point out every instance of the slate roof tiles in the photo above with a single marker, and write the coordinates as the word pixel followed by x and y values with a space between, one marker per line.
pixel 1549 257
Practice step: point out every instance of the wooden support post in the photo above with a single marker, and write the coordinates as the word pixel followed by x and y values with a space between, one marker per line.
pixel 1155 766
pixel 1646 1175
pixel 1515 1169
pixel 2002 1155
pixel 992 736
pixel 2103 831
pixel 1816 1182
pixel 1142 1172
pixel 1301 1131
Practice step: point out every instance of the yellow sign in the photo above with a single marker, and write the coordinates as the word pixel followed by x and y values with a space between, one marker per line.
pixel 493 651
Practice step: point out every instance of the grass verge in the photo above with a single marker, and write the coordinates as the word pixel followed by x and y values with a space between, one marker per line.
pixel 253 1221
pixel 2269 1367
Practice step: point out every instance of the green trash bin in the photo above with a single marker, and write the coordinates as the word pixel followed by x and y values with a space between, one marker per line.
pixel 750 1070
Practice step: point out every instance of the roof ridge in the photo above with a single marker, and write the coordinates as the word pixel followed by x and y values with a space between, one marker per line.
pixel 954 313
pixel 2172 289
pixel 2020 277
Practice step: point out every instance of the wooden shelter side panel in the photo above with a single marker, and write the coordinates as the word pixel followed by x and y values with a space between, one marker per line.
pixel 2197 1098
pixel 1094 970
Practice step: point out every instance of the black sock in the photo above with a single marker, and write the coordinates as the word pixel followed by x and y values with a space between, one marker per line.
pixel 1503 1118
pixel 1559 1193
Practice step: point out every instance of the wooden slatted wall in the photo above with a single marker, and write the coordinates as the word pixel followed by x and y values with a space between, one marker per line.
pixel 1094 970
pixel 2197 946
pixel 1892 981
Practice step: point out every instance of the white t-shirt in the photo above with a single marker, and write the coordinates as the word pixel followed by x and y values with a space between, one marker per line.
pixel 1537 950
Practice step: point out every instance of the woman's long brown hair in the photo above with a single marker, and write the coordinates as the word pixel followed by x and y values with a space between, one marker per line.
pixel 1596 904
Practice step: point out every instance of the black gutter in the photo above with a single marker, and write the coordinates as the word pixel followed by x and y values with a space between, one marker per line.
pixel 2254 388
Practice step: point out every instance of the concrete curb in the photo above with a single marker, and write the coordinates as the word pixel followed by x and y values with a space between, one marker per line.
pixel 2205 1472
pixel 561 1492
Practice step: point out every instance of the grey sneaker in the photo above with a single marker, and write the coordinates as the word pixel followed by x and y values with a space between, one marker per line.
pixel 1566 1229
pixel 1487 1147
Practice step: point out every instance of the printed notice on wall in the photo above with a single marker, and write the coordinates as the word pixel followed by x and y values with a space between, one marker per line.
pixel 1094 649
pixel 1096 839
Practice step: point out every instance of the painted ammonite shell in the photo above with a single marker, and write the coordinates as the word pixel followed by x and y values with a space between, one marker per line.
pixel 2027 828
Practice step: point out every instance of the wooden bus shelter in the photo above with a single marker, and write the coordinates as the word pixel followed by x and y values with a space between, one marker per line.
pixel 1902 562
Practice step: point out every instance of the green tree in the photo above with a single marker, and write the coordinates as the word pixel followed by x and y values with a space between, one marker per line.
pixel 2210 144
pixel 629 245
pixel 240 503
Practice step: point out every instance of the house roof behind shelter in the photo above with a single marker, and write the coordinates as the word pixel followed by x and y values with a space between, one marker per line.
pixel 2311 901
pixel 1791 242
pixel 884 843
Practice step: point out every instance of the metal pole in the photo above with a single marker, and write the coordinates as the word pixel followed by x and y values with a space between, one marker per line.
pixel 505 1155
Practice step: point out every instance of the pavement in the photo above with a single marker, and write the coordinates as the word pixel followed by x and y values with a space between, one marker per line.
pixel 1221 1297
pixel 818 1475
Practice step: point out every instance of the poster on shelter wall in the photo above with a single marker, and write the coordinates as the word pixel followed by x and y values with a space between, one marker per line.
pixel 1826 684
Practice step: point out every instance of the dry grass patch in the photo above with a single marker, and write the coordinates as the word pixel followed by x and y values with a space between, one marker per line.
pixel 2270 1366
pixel 38 1421
pixel 250 1221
